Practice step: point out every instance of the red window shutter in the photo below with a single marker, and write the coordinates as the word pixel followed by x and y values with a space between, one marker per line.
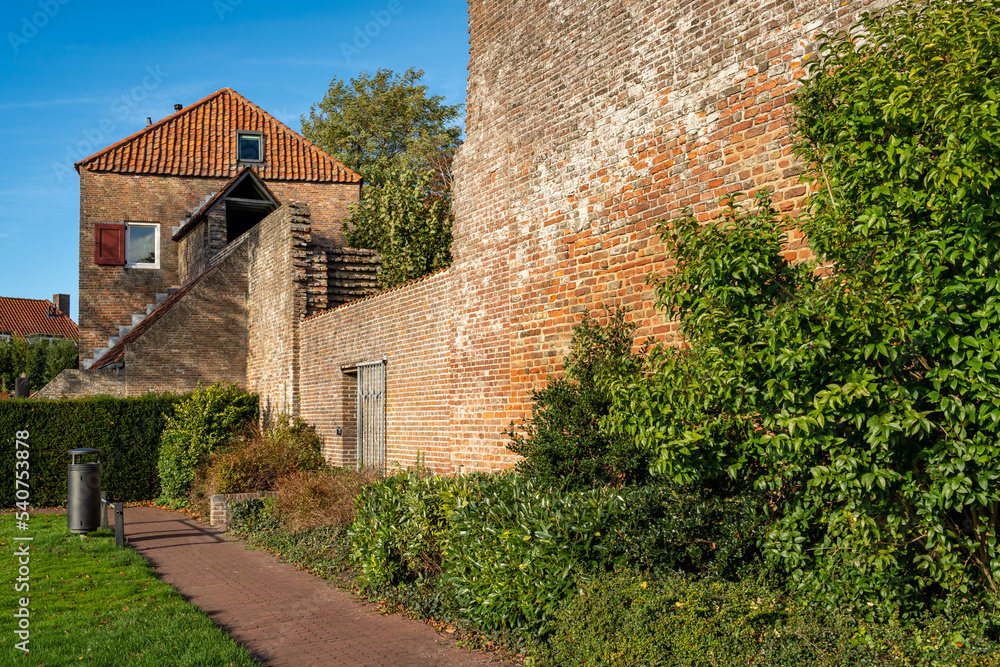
pixel 109 244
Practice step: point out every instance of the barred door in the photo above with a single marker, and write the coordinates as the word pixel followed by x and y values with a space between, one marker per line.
pixel 371 415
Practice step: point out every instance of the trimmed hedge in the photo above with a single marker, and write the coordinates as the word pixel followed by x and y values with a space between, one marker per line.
pixel 126 430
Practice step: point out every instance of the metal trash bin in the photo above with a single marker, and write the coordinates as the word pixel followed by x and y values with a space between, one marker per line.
pixel 83 491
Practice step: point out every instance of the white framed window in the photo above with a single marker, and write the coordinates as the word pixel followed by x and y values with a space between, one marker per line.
pixel 142 245
pixel 250 146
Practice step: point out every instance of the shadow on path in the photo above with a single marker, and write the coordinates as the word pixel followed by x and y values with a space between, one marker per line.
pixel 283 615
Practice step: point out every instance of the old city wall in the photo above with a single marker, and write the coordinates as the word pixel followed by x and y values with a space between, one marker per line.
pixel 587 122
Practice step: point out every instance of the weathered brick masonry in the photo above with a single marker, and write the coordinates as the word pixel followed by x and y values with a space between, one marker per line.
pixel 109 295
pixel 410 327
pixel 587 121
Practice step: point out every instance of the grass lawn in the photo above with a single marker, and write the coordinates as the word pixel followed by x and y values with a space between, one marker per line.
pixel 93 603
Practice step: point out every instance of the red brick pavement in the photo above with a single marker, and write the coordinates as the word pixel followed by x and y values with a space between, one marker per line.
pixel 283 615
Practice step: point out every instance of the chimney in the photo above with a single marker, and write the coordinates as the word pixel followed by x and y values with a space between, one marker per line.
pixel 61 301
pixel 149 121
pixel 178 107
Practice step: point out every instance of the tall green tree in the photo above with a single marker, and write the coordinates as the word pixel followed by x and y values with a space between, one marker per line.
pixel 378 123
pixel 861 391
pixel 401 140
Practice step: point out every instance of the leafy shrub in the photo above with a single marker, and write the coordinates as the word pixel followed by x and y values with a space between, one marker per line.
pixel 516 549
pixel 510 550
pixel 203 422
pixel 628 618
pixel 126 430
pixel 400 523
pixel 859 391
pixel 563 441
pixel 669 528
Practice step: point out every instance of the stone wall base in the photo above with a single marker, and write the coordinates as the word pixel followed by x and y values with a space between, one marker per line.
pixel 220 505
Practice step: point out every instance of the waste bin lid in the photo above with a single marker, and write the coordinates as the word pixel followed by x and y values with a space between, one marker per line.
pixel 83 451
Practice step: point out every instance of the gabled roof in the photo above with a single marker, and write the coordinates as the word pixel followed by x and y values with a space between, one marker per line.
pixel 28 317
pixel 200 140
pixel 249 176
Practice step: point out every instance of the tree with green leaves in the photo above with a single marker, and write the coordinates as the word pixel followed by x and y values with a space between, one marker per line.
pixel 863 396
pixel 401 141
pixel 40 360
pixel 379 123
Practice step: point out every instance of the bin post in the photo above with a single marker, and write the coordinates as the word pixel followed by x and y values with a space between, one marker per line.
pixel 104 511
pixel 119 524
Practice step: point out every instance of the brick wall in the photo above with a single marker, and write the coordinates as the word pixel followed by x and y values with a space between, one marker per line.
pixel 411 327
pixel 587 121
pixel 276 300
pixel 110 295
pixel 201 338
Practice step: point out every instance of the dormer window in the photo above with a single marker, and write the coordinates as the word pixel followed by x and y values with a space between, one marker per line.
pixel 250 146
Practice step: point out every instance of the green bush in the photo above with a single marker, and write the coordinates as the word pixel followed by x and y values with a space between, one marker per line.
pixel 126 430
pixel 860 391
pixel 399 526
pixel 206 420
pixel 669 528
pixel 629 618
pixel 509 550
pixel 564 442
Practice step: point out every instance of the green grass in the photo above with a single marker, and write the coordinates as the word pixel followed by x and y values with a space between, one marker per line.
pixel 93 603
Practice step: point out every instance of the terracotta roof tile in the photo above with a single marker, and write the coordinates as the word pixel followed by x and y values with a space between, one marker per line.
pixel 26 317
pixel 200 140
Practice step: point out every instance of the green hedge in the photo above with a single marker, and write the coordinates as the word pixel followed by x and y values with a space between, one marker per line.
pixel 631 618
pixel 510 551
pixel 126 430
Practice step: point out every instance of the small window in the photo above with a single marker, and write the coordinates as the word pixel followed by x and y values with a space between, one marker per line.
pixel 142 245
pixel 250 147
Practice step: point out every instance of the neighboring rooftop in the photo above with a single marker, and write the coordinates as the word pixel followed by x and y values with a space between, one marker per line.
pixel 36 317
pixel 187 143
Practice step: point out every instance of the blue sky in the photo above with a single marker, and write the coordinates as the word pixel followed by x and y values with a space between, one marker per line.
pixel 78 75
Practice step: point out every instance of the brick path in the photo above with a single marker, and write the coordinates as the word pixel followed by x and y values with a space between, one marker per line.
pixel 283 615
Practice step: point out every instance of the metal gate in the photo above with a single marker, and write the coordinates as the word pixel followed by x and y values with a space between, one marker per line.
pixel 371 415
